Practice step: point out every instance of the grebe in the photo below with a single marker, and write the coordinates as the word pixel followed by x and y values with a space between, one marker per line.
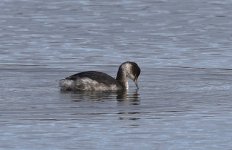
pixel 99 81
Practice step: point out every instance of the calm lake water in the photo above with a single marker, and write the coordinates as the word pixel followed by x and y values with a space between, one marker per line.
pixel 184 51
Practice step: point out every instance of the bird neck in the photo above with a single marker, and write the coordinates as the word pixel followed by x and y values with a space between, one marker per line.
pixel 122 78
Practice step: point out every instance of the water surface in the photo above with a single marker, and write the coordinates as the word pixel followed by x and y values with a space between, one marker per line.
pixel 182 47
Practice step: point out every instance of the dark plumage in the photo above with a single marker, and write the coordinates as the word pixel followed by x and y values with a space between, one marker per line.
pixel 94 75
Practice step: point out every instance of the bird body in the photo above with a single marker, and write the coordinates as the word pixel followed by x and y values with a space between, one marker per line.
pixel 99 81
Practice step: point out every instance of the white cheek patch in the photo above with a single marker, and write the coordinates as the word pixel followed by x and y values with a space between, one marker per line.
pixel 129 72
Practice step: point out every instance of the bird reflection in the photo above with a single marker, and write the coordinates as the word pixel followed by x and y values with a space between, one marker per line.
pixel 129 115
pixel 125 100
pixel 120 96
pixel 126 112
pixel 126 97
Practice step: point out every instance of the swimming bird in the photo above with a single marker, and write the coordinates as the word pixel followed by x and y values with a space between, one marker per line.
pixel 99 81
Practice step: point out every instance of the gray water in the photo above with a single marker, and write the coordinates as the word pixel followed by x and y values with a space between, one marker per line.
pixel 183 48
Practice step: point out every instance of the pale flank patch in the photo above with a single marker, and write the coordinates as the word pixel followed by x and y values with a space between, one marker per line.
pixel 86 84
pixel 89 84
pixel 66 84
